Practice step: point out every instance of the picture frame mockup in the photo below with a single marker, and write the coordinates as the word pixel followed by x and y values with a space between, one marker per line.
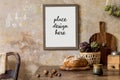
pixel 60 24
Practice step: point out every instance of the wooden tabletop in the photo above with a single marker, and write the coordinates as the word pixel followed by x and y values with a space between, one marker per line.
pixel 75 75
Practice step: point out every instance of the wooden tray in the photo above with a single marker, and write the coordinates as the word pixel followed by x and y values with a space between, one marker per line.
pixel 74 68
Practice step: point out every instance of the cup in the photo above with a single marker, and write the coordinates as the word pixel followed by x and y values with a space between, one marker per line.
pixel 98 69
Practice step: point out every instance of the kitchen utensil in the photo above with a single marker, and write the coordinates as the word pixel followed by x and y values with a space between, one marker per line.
pixel 106 40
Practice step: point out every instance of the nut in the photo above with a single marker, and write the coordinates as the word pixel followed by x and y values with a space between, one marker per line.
pixel 45 72
pixel 56 74
pixel 54 71
pixel 59 74
pixel 38 75
pixel 51 75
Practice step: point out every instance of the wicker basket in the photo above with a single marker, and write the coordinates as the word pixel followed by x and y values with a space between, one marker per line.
pixel 91 57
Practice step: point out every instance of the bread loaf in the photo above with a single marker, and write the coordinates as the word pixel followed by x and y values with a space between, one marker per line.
pixel 72 61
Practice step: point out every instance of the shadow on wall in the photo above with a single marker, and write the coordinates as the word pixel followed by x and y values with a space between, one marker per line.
pixel 26 71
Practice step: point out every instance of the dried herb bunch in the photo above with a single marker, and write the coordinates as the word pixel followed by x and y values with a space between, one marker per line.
pixel 113 10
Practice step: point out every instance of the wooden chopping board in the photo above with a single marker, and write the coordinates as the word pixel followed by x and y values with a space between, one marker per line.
pixel 74 68
pixel 106 39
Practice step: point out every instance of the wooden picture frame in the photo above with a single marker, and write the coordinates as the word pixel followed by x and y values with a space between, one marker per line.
pixel 60 22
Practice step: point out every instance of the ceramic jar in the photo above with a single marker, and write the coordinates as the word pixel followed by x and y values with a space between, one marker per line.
pixel 98 69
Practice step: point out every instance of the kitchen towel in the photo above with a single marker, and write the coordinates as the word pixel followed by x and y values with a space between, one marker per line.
pixel 3 60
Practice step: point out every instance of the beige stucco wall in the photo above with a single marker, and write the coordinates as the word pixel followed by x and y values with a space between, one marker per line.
pixel 21 29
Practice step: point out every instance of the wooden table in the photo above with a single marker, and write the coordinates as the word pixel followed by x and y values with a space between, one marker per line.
pixel 76 75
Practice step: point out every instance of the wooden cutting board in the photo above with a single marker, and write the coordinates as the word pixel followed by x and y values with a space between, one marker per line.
pixel 74 68
pixel 104 39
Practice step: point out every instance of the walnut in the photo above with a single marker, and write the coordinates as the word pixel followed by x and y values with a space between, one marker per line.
pixel 38 75
pixel 54 71
pixel 45 72
pixel 58 74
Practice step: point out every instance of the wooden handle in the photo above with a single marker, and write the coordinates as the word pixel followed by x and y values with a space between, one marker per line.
pixel 102 26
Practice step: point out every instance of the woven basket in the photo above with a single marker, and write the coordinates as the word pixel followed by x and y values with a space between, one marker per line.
pixel 91 57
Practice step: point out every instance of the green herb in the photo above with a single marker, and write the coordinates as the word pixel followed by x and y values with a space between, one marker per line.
pixel 113 10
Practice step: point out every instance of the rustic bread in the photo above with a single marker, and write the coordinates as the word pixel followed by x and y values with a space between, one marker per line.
pixel 72 61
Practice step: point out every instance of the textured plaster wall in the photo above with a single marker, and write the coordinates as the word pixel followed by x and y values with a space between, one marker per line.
pixel 21 30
